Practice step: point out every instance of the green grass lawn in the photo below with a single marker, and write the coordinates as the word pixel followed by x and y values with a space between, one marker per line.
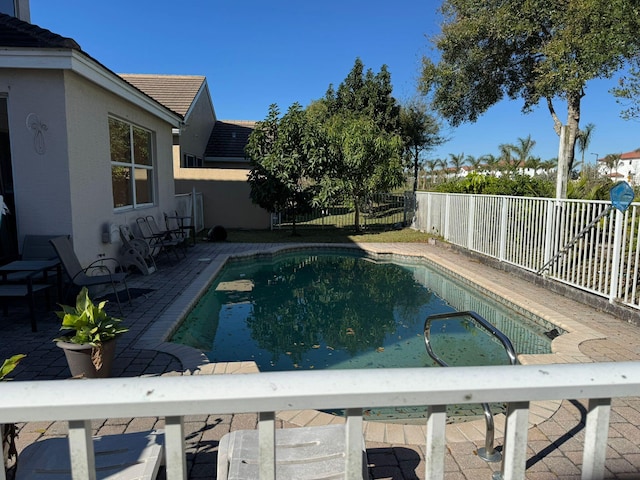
pixel 326 235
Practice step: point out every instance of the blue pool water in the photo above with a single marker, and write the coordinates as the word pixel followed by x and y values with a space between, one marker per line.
pixel 322 310
pixel 328 310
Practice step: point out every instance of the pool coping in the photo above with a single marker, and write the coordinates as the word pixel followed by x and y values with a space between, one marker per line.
pixel 565 348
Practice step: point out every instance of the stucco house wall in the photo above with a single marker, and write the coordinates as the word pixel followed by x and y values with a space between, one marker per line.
pixel 63 184
pixel 40 164
pixel 90 164
pixel 58 104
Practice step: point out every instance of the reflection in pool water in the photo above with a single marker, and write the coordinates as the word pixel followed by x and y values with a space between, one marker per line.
pixel 322 310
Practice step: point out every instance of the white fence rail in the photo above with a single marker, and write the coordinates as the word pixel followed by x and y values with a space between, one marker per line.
pixel 81 401
pixel 528 232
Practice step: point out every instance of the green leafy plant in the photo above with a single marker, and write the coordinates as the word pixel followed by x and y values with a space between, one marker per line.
pixel 8 432
pixel 89 324
pixel 9 364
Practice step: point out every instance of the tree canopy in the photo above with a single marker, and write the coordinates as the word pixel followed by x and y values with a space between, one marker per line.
pixel 533 50
pixel 343 146
pixel 365 94
pixel 360 159
pixel 420 133
pixel 359 148
pixel 280 162
pixel 628 91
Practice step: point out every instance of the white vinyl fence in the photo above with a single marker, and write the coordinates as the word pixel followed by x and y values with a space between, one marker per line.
pixel 187 207
pixel 529 232
pixel 80 401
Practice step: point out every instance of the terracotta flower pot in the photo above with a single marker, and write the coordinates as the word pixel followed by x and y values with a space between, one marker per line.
pixel 80 359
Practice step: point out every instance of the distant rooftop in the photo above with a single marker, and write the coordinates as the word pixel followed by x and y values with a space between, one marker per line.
pixel 229 138
pixel 175 92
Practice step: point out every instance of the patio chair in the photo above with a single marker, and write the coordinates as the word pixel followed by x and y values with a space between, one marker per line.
pixel 84 277
pixel 304 453
pixel 157 239
pixel 38 247
pixel 172 234
pixel 181 224
pixel 117 457
pixel 136 252
pixel 34 247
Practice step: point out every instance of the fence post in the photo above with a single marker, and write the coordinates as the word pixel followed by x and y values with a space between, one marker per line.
pixel 614 285
pixel 427 217
pixel 471 223
pixel 548 234
pixel 447 215
pixel 503 229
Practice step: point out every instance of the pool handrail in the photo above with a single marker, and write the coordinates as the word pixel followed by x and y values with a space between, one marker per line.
pixel 488 453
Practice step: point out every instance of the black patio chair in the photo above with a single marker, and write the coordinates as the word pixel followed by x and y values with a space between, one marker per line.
pixel 79 276
pixel 158 239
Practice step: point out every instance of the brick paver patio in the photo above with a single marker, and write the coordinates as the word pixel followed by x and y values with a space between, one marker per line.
pixel 394 452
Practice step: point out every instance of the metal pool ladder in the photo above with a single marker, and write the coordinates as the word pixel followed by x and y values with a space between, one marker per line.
pixel 488 453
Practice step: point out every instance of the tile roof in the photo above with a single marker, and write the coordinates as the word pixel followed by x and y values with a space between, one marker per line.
pixel 630 155
pixel 18 33
pixel 228 139
pixel 176 92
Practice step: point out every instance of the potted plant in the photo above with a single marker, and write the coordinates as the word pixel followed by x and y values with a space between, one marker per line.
pixel 90 343
pixel 8 431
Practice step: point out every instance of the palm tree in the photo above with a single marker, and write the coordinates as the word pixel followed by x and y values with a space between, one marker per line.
pixel 612 161
pixel 457 161
pixel 506 160
pixel 474 163
pixel 584 139
pixel 549 165
pixel 522 151
pixel 534 163
pixel 491 162
pixel 442 165
pixel 431 166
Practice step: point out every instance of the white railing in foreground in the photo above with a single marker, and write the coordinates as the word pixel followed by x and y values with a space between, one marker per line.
pixel 528 232
pixel 80 401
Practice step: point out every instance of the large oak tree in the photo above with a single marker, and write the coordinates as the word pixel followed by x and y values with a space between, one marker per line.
pixel 534 50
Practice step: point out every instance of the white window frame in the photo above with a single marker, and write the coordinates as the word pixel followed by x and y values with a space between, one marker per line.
pixel 136 166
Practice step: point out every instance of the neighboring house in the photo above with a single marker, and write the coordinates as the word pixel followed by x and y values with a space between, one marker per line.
pixel 189 96
pixel 227 142
pixel 208 153
pixel 226 172
pixel 81 149
pixel 627 168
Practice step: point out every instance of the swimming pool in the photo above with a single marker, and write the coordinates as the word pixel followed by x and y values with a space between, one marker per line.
pixel 234 293
pixel 337 308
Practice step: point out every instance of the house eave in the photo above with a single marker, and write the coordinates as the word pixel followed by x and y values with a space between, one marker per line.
pixel 72 60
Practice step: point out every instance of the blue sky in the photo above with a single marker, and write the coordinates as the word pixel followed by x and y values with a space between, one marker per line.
pixel 256 53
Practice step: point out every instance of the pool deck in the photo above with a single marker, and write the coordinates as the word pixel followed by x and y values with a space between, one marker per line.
pixel 394 451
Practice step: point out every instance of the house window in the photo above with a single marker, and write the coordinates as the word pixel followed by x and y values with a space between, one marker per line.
pixel 191 161
pixel 131 164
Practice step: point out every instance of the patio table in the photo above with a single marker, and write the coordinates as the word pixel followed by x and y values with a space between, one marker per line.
pixel 21 283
